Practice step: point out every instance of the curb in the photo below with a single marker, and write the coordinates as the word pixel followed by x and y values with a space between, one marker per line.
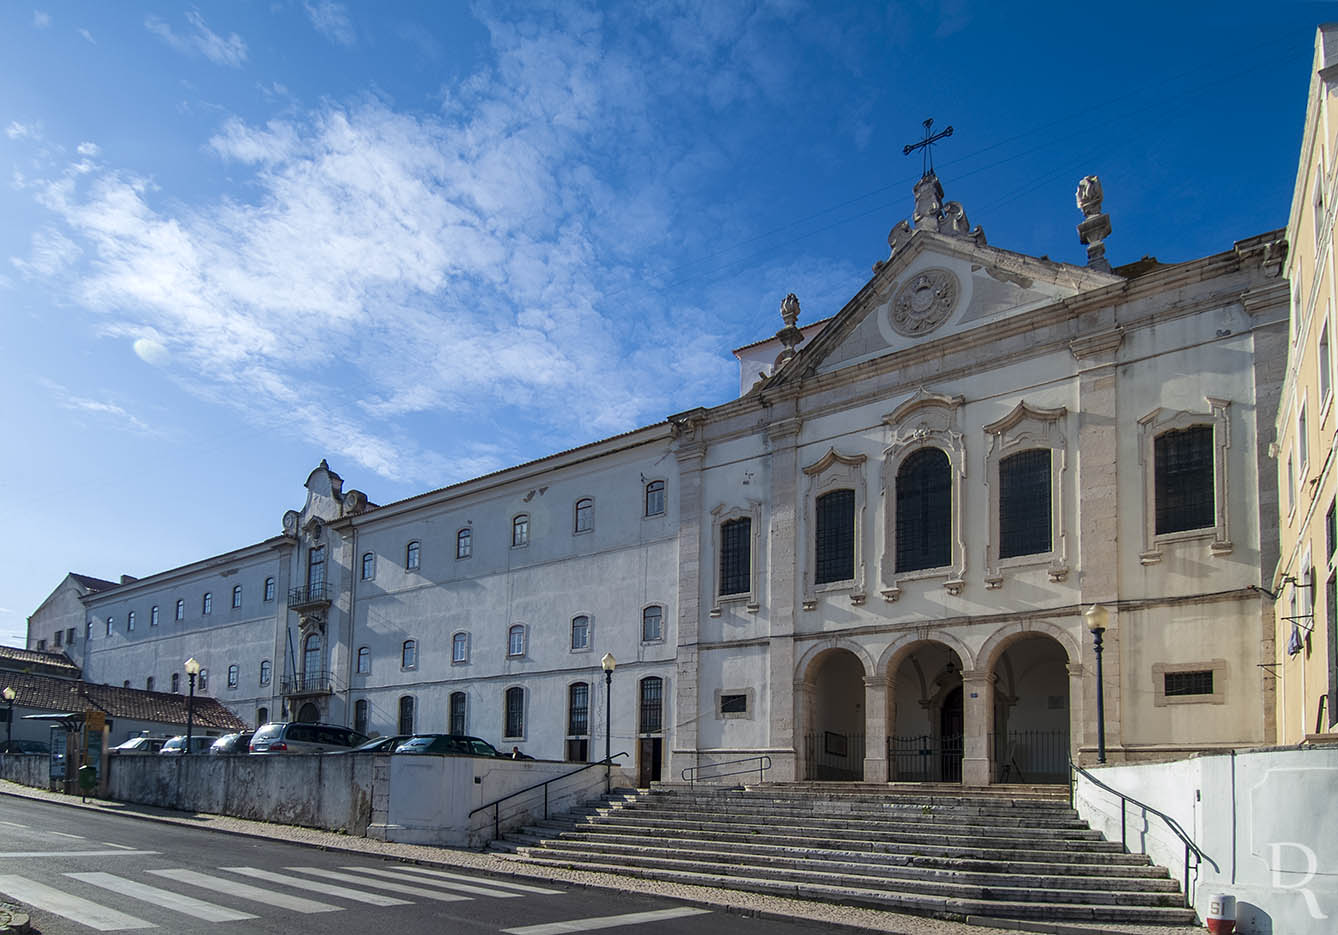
pixel 1037 928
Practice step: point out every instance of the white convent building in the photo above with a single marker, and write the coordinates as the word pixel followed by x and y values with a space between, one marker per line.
pixel 874 564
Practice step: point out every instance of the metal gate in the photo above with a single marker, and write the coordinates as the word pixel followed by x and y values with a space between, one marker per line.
pixel 1032 756
pixel 925 758
pixel 834 757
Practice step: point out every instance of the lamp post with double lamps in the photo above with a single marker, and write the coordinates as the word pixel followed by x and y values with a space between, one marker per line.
pixel 9 695
pixel 1097 617
pixel 607 664
pixel 192 670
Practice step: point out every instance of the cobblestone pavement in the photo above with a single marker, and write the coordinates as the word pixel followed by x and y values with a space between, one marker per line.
pixel 720 899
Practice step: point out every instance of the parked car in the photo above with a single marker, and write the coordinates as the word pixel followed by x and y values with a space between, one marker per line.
pixel 177 745
pixel 379 744
pixel 296 737
pixel 143 745
pixel 232 743
pixel 24 746
pixel 448 743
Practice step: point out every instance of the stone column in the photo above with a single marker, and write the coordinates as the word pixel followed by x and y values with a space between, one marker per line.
pixel 875 729
pixel 977 727
pixel 1077 708
pixel 690 454
pixel 782 584
pixel 803 706
pixel 1099 518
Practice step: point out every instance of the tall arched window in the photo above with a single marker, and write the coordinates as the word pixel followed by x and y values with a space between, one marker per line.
pixel 736 556
pixel 924 511
pixel 311 656
pixel 368 565
pixel 459 721
pixel 360 713
pixel 520 530
pixel 515 713
pixel 236 596
pixel 409 656
pixel 834 537
pixel 652 624
pixel 266 671
pixel 460 647
pixel 655 498
pixel 580 632
pixel 464 543
pixel 411 553
pixel 234 675
pixel 652 704
pixel 1025 509
pixel 364 660
pixel 406 714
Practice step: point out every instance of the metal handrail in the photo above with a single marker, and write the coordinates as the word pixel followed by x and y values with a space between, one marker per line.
pixel 496 805
pixel 1190 846
pixel 763 764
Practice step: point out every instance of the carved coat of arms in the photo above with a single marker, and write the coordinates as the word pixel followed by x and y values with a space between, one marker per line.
pixel 925 302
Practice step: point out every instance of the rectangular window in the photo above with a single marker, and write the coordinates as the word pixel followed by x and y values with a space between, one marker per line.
pixel 458 724
pixel 733 704
pixel 1330 531
pixel 460 647
pixel 736 540
pixel 1325 363
pixel 360 711
pixel 176 683
pixel 148 684
pixel 69 637
pixel 1291 484
pixel 834 537
pixel 406 715
pixel 1024 503
pixel 153 615
pixel 111 621
pixel 409 654
pixel 41 648
pixel 1189 683
pixel 1302 442
pixel 58 639
pixel 1184 479
pixel 515 641
pixel 234 675
pixel 578 710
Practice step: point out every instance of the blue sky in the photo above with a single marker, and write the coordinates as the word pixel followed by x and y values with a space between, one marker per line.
pixel 429 240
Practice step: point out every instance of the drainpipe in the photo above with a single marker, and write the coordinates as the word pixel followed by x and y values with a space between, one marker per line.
pixel 352 624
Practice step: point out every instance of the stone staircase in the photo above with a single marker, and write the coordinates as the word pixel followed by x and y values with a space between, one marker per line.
pixel 1003 852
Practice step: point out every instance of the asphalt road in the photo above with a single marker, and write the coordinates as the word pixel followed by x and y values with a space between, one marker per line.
pixel 77 872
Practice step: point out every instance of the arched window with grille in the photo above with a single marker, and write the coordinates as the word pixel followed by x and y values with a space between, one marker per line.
pixel 585 515
pixel 406 714
pixel 1025 494
pixel 834 537
pixel 924 511
pixel 361 710
pixel 459 713
pixel 578 722
pixel 464 543
pixel 652 705
pixel 514 726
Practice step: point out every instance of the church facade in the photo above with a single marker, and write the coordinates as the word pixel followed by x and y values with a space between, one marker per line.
pixel 875 564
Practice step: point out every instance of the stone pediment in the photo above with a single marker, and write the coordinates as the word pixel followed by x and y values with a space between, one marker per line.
pixel 934 286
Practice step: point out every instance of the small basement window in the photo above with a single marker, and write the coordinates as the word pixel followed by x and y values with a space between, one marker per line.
pixel 1189 683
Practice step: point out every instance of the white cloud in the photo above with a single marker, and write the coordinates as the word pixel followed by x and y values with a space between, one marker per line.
pixel 87 149
pixel 331 20
pixel 201 41
pixel 18 131
pixel 67 400
pixel 41 20
pixel 150 351
pixel 51 253
pixel 88 36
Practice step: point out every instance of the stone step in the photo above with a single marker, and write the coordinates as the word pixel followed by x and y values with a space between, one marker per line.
pixel 951 907
pixel 893 795
pixel 986 837
pixel 873 820
pixel 982 873
pixel 1109 855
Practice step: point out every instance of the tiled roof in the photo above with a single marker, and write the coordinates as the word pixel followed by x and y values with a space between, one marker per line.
pixel 93 584
pixel 47 693
pixel 12 657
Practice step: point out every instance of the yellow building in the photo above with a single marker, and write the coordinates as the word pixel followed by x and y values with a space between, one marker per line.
pixel 1306 580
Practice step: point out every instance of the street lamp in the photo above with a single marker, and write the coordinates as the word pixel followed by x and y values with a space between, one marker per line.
pixel 607 664
pixel 192 670
pixel 9 695
pixel 1097 618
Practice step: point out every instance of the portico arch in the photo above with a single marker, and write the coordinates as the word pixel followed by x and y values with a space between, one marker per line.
pixel 925 708
pixel 1035 683
pixel 832 711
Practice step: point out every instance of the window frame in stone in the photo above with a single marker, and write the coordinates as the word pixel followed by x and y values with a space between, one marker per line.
pixel 924 510
pixel 724 520
pixel 413 555
pixel 650 705
pixel 405 714
pixel 520 531
pixel 1214 426
pixel 464 542
pixel 459 648
pixel 234 675
pixel 516 640
pixel 368 566
pixel 409 654
pixel 834 536
pixel 649 613
pixel 207 604
pixel 513 713
pixel 832 476
pixel 584 629
pixel 363 661
pixel 655 498
pixel 181 609
pixel 578 716
pixel 1026 503
pixel 236 596
pixel 458 721
pixel 269 589
pixel 266 671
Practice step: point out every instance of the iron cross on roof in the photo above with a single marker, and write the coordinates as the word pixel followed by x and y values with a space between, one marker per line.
pixel 927 145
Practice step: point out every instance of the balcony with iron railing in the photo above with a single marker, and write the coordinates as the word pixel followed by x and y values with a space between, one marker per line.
pixel 317 682
pixel 315 594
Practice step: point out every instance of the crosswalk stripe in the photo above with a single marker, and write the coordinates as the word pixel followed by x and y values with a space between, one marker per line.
pixel 50 899
pixel 447 884
pixel 209 912
pixel 246 891
pixel 380 884
pixel 605 922
pixel 62 834
pixel 329 889
pixel 504 884
pixel 121 853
